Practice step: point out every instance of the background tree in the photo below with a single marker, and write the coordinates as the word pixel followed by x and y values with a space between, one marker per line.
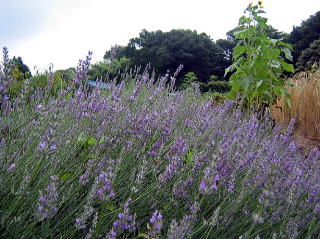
pixel 309 57
pixel 23 68
pixel 225 47
pixel 108 70
pixel 115 52
pixel 68 74
pixel 189 78
pixel 166 50
pixel 301 37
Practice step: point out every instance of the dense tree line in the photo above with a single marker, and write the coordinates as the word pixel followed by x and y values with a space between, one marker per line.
pixel 302 36
pixel 164 51
pixel 200 55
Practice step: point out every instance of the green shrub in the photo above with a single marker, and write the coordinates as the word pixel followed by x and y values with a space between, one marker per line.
pixel 188 79
pixel 215 86
pixel 259 63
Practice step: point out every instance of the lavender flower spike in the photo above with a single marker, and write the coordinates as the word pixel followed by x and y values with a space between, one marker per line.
pixel 156 225
pixel 125 222
pixel 48 200
pixel 82 69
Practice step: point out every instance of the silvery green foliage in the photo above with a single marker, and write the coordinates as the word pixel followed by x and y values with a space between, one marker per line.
pixel 165 150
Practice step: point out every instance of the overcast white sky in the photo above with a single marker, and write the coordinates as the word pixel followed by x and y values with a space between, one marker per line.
pixel 62 31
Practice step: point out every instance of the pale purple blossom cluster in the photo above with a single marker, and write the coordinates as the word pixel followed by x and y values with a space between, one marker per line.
pixel 161 150
pixel 83 68
pixel 5 77
pixel 125 222
pixel 183 228
pixel 210 181
pixel 104 183
pixel 174 156
pixel 156 222
pixel 48 200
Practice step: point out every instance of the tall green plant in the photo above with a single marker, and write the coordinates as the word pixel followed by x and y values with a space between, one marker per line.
pixel 259 62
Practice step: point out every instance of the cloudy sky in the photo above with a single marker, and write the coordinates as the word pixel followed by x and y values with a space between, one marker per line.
pixel 62 31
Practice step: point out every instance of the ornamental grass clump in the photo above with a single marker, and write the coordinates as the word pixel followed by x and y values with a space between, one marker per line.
pixel 137 161
pixel 305 101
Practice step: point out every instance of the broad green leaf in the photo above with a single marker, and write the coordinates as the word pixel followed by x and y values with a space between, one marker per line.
pixel 288 67
pixel 275 64
pixel 65 176
pixel 288 102
pixel 274 41
pixel 274 53
pixel 244 20
pixel 91 141
pixel 287 53
pixel 110 207
pixel 281 43
pixel 238 51
pixel 277 91
pixel 240 34
pixel 189 156
pixel 246 81
pixel 233 66
pixel 255 8
pixel 228 69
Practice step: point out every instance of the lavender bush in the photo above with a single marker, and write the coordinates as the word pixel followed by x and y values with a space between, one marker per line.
pixel 137 161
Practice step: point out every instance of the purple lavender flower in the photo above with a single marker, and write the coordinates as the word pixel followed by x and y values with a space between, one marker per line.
pixel 174 77
pixel 47 146
pixel 12 167
pixel 48 200
pixel 104 182
pixel 177 150
pixel 82 69
pixel 170 170
pixel 179 147
pixel 81 221
pixel 111 235
pixel 117 91
pixel 183 228
pixel 180 189
pixel 5 78
pixel 152 153
pixel 156 225
pixel 209 182
pixel 125 222
pixel 139 85
pixel 85 178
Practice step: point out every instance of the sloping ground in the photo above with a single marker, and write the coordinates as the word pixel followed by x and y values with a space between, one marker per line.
pixel 137 161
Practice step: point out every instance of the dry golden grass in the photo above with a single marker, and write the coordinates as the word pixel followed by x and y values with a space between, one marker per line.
pixel 305 100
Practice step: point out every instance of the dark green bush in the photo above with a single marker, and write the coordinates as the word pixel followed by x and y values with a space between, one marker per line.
pixel 215 86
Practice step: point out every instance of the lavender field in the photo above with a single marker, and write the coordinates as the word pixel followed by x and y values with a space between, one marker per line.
pixel 141 160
